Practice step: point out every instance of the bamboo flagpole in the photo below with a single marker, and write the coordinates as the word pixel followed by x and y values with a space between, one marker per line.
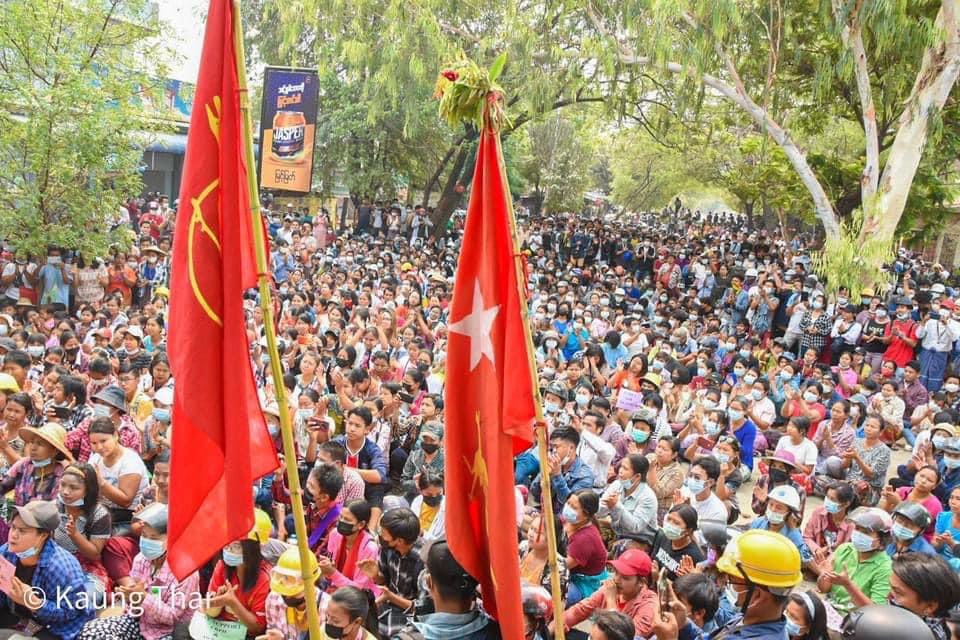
pixel 276 368
pixel 546 492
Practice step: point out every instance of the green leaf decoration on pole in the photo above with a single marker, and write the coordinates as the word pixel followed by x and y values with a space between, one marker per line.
pixel 471 95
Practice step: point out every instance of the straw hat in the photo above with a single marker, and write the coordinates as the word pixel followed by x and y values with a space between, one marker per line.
pixel 51 433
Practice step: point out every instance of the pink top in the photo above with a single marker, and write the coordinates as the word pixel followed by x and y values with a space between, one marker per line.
pixel 369 550
pixel 167 601
pixel 931 504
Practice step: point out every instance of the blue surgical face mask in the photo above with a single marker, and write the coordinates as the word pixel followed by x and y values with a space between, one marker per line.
pixel 903 532
pixel 27 553
pixel 809 397
pixel 232 559
pixel 744 353
pixel 75 503
pixel 569 514
pixel 583 400
pixel 274 429
pixel 671 531
pixel 695 485
pixel 101 411
pixel 951 463
pixel 640 436
pixel 39 464
pixel 938 441
pixel 785 375
pixel 792 628
pixel 626 484
pixel 552 407
pixel 731 594
pixel 305 414
pixel 657 365
pixel 775 517
pixel 861 541
pixel 756 394
pixel 161 415
pixel 153 549
pixel 712 427
pixel 723 458
pixel 831 506
pixel 734 414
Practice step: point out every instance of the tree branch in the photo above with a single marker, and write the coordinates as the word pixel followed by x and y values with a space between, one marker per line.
pixel 852 35
pixel 737 95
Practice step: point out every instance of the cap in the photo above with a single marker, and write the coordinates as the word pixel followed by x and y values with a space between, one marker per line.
pixel 751 273
pixel 784 456
pixel 871 519
pixel 632 562
pixel 434 429
pixel 40 514
pixel 113 396
pixel 135 331
pixel 154 516
pixel 7 344
pixel 8 383
pixel 938 288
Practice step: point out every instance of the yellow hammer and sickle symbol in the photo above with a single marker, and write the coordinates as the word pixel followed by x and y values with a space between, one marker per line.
pixel 479 466
pixel 197 219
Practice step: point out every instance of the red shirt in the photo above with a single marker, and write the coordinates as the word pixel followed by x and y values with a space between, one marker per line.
pixel 255 600
pixel 898 350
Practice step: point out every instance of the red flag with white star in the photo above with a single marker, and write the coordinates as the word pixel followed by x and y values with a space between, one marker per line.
pixel 489 394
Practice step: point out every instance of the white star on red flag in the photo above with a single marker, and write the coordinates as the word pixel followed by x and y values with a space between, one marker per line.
pixel 477 326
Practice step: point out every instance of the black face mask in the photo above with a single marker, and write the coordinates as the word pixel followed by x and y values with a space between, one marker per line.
pixel 294 602
pixel 344 528
pixel 333 631
pixel 778 476
pixel 430 447
pixel 432 501
pixel 342 362
pixel 423 367
pixel 408 387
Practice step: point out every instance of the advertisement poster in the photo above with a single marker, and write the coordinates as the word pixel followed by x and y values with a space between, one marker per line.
pixel 288 121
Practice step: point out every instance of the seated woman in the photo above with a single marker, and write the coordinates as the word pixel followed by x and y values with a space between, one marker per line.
pixel 123 479
pixel 783 516
pixel 924 483
pixel 239 586
pixel 700 435
pixel 947 531
pixel 429 505
pixel 156 601
pixel 352 613
pixel 673 547
pixel 36 476
pixel 42 566
pixel 806 617
pixel 910 520
pixel 629 502
pixel 534 554
pixel 586 554
pixel 109 403
pixel 780 469
pixel 866 464
pixel 860 572
pixel 803 449
pixel 828 526
pixel 349 545
pixel 927 587
pixel 732 471
pixel 84 525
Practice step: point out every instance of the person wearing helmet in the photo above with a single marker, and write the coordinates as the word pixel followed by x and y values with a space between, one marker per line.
pixel 884 621
pixel 628 591
pixel 949 466
pixel 537 612
pixel 760 568
pixel 286 605
pixel 910 520
pixel 782 515
pixel 860 573
pixel 928 587
pixel 155 600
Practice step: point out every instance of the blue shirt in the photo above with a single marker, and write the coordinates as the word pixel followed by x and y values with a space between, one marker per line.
pixel 614 356
pixel 793 535
pixel 919 544
pixel 746 435
pixel 370 457
pixel 578 476
pixel 59 576
pixel 775 630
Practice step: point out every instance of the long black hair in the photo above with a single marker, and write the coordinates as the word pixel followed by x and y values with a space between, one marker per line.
pixel 359 603
pixel 252 558
pixel 91 486
pixel 817 620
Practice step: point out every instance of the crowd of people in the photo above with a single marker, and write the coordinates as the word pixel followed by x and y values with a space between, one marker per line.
pixel 737 450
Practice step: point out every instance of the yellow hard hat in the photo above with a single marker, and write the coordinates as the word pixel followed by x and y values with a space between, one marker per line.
pixel 262 527
pixel 8 383
pixel 162 291
pixel 286 578
pixel 763 557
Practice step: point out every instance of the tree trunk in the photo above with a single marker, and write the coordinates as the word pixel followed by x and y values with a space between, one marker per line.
pixel 937 76
pixel 449 198
pixel 748 209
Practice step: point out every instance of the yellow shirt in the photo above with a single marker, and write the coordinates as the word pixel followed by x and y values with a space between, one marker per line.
pixel 427 514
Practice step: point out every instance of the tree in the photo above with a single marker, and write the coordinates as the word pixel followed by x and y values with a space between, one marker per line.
pixel 72 118
pixel 900 60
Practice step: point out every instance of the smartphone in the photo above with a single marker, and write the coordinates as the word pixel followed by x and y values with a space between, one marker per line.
pixel 706 443
pixel 663 591
pixel 62 412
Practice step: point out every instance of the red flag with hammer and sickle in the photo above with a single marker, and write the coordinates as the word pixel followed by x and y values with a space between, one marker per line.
pixel 489 394
pixel 220 441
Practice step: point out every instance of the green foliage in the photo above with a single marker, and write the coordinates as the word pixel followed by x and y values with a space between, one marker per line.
pixel 470 96
pixel 848 261
pixel 72 116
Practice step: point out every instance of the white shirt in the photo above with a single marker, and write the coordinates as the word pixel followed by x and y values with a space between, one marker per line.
pixel 710 509
pixel 804 453
pixel 596 453
pixel 936 335
pixel 129 463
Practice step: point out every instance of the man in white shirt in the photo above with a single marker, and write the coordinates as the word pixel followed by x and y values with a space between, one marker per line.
pixel 700 483
pixel 937 334
pixel 594 451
